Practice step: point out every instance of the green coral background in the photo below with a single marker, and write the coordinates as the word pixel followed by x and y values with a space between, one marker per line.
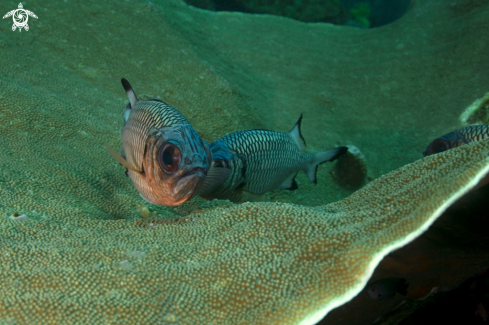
pixel 389 91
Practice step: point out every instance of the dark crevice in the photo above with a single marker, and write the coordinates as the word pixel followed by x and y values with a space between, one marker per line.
pixel 357 13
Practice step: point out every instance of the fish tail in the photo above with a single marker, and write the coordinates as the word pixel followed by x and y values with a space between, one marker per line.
pixel 321 157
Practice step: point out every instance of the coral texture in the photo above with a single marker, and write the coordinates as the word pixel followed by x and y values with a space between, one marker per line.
pixel 84 255
pixel 263 263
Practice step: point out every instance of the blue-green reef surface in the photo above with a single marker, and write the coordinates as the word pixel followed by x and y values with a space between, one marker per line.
pixel 89 253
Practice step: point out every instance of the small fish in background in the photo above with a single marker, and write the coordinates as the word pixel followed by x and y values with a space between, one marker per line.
pixel 387 288
pixel 165 158
pixel 457 138
pixel 247 164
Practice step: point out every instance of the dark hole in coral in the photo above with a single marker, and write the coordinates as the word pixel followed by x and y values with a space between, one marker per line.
pixel 469 303
pixel 358 13
pixel 460 232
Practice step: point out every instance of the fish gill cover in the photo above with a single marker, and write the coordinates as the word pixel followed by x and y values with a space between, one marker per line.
pixel 388 91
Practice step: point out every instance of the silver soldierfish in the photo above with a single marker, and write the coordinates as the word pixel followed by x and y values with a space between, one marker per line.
pixel 165 158
pixel 457 138
pixel 258 161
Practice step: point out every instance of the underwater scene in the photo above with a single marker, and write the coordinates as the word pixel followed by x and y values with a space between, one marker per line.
pixel 244 162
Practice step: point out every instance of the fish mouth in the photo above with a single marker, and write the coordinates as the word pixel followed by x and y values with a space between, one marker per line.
pixel 197 170
pixel 190 182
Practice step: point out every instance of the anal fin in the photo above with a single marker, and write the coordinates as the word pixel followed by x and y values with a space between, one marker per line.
pixel 289 183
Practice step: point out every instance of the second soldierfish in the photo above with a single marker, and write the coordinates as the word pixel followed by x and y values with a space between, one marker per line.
pixel 387 288
pixel 257 161
pixel 457 138
pixel 165 158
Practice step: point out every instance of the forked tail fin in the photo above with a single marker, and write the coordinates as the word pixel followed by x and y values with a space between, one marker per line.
pixel 321 157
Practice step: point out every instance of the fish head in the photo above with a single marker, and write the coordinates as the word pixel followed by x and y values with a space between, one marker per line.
pixel 168 163
pixel 437 146
pixel 444 143
pixel 387 288
pixel 175 164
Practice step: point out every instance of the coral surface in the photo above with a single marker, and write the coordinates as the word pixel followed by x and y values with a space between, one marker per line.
pixel 92 252
pixel 267 263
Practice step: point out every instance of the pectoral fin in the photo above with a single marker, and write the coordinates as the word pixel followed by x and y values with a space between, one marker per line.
pixel 216 176
pixel 121 160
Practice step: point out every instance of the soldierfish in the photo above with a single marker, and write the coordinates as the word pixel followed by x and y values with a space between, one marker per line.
pixel 387 288
pixel 165 158
pixel 258 161
pixel 457 138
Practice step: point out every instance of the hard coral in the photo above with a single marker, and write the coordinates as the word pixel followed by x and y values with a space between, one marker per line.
pixel 254 263
pixel 237 264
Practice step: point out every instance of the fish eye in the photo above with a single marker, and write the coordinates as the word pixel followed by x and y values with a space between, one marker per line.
pixel 220 163
pixel 169 157
pixel 440 146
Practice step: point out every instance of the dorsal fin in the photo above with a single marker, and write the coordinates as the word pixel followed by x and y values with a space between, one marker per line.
pixel 133 99
pixel 295 134
pixel 127 111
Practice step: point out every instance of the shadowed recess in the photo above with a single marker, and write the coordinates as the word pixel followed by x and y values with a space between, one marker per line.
pixel 356 13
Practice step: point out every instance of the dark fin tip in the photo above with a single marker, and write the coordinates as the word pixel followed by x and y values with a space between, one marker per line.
pixel 126 84
pixel 240 186
pixel 315 182
pixel 294 185
pixel 342 150
pixel 299 121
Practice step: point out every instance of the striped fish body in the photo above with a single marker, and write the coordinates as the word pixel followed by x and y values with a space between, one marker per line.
pixel 167 160
pixel 259 161
pixel 457 138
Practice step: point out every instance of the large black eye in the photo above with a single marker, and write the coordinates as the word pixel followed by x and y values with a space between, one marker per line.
pixel 169 157
pixel 440 148
pixel 219 163
pixel 440 145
